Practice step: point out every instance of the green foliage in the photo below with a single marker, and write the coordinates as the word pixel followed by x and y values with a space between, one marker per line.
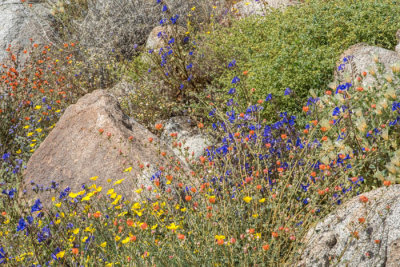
pixel 298 47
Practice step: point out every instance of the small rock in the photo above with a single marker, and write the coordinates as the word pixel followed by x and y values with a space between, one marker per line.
pixel 20 23
pixel 247 8
pixel 360 57
pixel 378 243
pixel 397 49
pixel 188 134
pixel 161 35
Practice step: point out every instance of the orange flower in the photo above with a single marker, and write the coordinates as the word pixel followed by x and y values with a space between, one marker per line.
pixel 97 214
pixel 324 138
pixel 283 136
pixel 188 198
pixel 144 226
pixel 313 174
pixel 361 220
pixel 355 234
pixel 75 251
pixel 159 126
pixel 129 222
pixel 323 129
pixel 211 200
pixel 181 237
pixel 200 125
pixel 245 72
pixel 387 183
pixel 130 138
pixel 101 131
pixel 377 241
pixel 274 234
pixel 132 238
pixel 252 231
pixel 150 139
pixel 220 242
pixel 193 189
pixel 363 199
pixel 265 247
pixel 360 89
pixel 329 92
pixel 306 109
pixel 305 131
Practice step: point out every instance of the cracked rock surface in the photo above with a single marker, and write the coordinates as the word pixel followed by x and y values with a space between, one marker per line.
pixel 332 243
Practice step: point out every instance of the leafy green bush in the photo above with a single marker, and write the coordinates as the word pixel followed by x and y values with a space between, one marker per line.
pixel 297 48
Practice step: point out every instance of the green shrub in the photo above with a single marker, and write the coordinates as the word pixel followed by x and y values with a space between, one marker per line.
pixel 298 47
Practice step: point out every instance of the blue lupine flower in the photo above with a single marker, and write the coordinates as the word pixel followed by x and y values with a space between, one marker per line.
pixel 232 64
pixel 232 91
pixel 44 234
pixel 10 193
pixel 396 106
pixel 165 8
pixel 21 225
pixel 269 97
pixel 54 254
pixel 189 66
pixel 174 19
pixel 37 206
pixel 171 41
pixel 6 156
pixel 288 91
pixel 212 112
pixel 235 80
pixel 336 111
pixel 2 255
pixel 162 21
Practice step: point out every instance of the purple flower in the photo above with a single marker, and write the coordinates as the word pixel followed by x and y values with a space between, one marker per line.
pixel 37 206
pixel 235 80
pixel 21 225
pixel 288 91
pixel 232 64
pixel 6 156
